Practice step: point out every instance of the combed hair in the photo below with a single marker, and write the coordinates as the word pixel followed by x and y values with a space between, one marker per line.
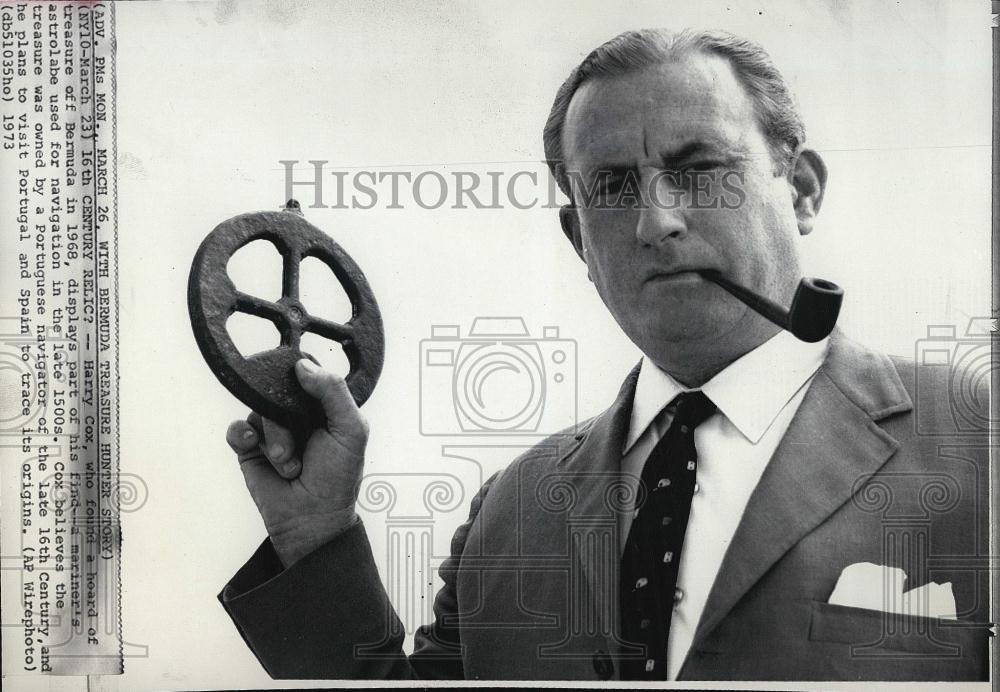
pixel 632 51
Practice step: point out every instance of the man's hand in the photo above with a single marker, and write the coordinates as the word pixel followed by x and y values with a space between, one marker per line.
pixel 305 502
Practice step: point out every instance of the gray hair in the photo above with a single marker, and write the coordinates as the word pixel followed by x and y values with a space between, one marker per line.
pixel 775 107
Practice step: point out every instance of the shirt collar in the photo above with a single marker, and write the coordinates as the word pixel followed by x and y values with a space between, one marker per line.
pixel 751 391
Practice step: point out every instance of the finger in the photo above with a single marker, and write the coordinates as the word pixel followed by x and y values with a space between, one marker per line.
pixel 242 437
pixel 279 446
pixel 332 392
pixel 257 422
pixel 246 438
pixel 260 477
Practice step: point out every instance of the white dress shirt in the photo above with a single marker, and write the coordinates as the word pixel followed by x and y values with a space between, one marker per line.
pixel 756 397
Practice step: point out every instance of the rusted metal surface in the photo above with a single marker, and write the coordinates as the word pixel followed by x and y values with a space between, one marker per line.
pixel 266 381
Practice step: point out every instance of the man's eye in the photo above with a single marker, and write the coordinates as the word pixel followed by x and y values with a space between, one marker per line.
pixel 613 183
pixel 702 166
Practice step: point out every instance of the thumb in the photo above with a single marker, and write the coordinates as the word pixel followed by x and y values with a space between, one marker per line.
pixel 331 390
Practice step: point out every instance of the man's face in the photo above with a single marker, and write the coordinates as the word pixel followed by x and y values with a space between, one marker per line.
pixel 672 128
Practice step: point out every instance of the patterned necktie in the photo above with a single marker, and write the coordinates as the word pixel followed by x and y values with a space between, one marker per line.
pixel 653 549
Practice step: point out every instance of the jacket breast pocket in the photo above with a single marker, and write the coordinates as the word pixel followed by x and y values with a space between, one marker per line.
pixel 957 648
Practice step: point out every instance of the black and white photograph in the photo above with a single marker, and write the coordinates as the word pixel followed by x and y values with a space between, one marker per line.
pixel 460 343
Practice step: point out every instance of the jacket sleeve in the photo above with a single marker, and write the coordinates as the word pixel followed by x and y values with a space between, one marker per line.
pixel 328 615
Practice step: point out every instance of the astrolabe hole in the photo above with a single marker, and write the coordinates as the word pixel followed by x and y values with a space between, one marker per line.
pixel 255 269
pixel 252 334
pixel 328 353
pixel 321 293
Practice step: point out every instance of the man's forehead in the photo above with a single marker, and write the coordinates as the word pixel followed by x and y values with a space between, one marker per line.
pixel 696 97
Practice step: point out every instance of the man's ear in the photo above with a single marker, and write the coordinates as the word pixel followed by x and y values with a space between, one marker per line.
pixel 808 181
pixel 570 222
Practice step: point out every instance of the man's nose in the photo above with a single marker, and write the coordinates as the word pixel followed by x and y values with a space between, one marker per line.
pixel 659 223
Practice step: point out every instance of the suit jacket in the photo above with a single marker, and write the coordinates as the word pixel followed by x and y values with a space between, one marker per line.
pixel 530 589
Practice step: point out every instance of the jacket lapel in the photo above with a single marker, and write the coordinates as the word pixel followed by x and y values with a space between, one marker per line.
pixel 592 468
pixel 595 461
pixel 833 441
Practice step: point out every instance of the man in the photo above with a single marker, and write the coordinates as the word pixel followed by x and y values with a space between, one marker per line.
pixel 695 537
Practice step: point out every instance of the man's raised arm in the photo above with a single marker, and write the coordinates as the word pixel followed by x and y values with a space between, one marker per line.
pixel 309 603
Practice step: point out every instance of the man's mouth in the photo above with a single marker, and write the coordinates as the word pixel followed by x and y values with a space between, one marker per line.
pixel 677 276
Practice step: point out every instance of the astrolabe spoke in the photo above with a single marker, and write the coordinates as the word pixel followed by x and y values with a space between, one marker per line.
pixel 330 330
pixel 252 305
pixel 290 267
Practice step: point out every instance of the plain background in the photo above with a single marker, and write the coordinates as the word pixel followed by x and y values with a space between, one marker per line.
pixel 211 96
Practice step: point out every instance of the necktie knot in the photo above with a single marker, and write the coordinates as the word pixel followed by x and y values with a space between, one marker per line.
pixel 692 409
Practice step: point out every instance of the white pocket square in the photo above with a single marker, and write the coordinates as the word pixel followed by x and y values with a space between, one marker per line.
pixel 877 587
